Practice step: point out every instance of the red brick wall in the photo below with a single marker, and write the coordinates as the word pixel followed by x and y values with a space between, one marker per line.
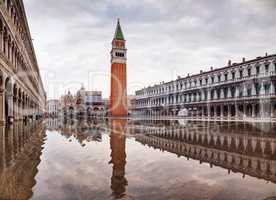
pixel 118 97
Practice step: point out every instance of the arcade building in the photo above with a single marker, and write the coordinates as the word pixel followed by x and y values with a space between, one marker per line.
pixel 22 94
pixel 236 91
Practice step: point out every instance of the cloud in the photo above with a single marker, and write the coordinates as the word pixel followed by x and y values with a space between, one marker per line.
pixel 164 38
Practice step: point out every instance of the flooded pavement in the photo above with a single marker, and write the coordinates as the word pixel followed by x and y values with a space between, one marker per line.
pixel 138 159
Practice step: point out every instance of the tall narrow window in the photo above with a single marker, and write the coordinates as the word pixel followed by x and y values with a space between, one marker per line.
pixel 233 92
pixel 257 70
pixel 225 91
pixel 219 78
pixel 218 93
pixel 266 68
pixel 249 72
pixel 249 92
pixel 233 75
pixel 241 74
pixel 267 89
pixel 225 77
pixel 257 87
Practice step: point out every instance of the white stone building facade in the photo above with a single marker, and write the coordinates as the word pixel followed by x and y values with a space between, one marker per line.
pixel 238 90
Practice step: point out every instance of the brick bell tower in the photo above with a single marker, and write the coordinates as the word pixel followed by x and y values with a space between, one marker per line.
pixel 118 97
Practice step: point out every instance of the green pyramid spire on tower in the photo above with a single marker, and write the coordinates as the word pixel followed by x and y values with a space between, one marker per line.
pixel 119 33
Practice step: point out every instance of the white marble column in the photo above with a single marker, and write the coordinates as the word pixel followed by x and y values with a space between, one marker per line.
pixel 262 90
pixel 215 94
pixel 229 93
pixel 208 95
pixel 253 90
pixel 244 91
pixel 222 94
pixel 221 111
pixel 229 111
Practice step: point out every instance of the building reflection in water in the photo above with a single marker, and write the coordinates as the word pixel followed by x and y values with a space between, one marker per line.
pixel 238 147
pixel 118 157
pixel 20 150
pixel 82 130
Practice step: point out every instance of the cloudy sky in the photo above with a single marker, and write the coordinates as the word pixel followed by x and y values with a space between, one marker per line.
pixel 164 38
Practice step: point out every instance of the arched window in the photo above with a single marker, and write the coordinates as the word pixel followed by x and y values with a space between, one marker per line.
pixel 233 75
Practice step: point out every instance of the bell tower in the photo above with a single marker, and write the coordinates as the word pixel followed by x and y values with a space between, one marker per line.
pixel 118 97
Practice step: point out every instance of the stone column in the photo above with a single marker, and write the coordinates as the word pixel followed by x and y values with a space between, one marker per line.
pixel 197 96
pixel 262 111
pixel 19 113
pixel 262 90
pixel 236 111
pixel 272 88
pixel 208 111
pixel 221 111
pixel 2 107
pixel 244 91
pixel 1 40
pixel 229 93
pixel 222 94
pixel 253 90
pixel 253 110
pixel 10 107
pixel 15 108
pixel 237 90
pixel 208 95
pixel 2 147
pixel 215 94
pixel 229 111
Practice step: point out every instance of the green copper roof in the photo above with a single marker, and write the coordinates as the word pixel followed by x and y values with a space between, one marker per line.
pixel 119 33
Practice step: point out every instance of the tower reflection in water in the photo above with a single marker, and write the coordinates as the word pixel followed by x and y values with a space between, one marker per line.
pixel 20 150
pixel 118 157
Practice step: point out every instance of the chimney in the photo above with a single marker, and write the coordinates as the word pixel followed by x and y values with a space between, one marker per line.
pixel 201 71
pixel 188 75
pixel 211 68
pixel 229 63
pixel 243 59
pixel 266 54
